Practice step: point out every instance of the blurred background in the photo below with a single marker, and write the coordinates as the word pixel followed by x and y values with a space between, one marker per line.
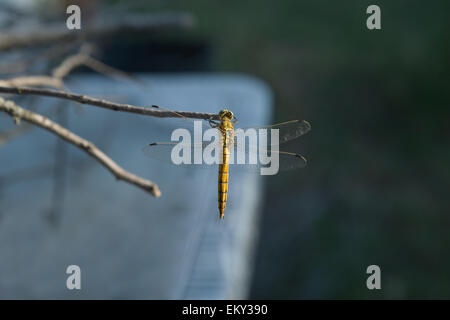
pixel 375 188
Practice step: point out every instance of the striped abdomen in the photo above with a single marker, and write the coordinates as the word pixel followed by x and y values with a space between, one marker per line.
pixel 223 176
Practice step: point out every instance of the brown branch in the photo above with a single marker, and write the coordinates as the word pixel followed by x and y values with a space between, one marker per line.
pixel 153 112
pixel 55 81
pixel 68 65
pixel 60 72
pixel 17 112
pixel 82 59
pixel 64 69
pixel 33 81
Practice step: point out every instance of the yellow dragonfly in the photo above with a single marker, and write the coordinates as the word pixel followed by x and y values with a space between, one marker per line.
pixel 227 145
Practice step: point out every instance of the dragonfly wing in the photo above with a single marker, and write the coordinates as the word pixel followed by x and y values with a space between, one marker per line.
pixel 180 154
pixel 163 130
pixel 288 131
pixel 167 151
pixel 255 159
pixel 290 160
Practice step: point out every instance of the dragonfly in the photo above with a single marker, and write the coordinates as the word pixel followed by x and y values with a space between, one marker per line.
pixel 230 145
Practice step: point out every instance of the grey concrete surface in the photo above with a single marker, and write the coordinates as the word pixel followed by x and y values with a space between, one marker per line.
pixel 128 244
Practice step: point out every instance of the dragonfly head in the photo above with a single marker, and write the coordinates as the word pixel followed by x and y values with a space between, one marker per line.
pixel 226 114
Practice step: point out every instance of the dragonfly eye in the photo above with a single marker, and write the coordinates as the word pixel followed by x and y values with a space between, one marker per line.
pixel 226 114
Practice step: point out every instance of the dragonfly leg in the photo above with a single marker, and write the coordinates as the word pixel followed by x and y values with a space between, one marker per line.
pixel 213 124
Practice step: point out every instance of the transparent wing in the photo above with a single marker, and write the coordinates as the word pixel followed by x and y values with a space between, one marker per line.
pixel 244 154
pixel 242 158
pixel 162 130
pixel 169 152
pixel 256 159
pixel 288 131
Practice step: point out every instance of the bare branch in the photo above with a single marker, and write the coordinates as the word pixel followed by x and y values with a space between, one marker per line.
pixel 107 104
pixel 81 59
pixel 33 81
pixel 63 70
pixel 17 112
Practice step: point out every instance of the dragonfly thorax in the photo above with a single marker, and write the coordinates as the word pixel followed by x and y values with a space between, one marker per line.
pixel 226 114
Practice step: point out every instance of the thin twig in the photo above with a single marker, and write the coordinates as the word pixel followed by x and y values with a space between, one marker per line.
pixel 153 112
pixel 60 72
pixel 33 81
pixel 17 112
pixel 63 70
pixel 81 59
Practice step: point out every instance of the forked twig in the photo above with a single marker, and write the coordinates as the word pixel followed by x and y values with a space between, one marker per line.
pixel 17 112
pixel 24 86
pixel 81 59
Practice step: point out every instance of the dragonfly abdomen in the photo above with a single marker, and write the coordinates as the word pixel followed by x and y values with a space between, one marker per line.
pixel 223 180
pixel 227 138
